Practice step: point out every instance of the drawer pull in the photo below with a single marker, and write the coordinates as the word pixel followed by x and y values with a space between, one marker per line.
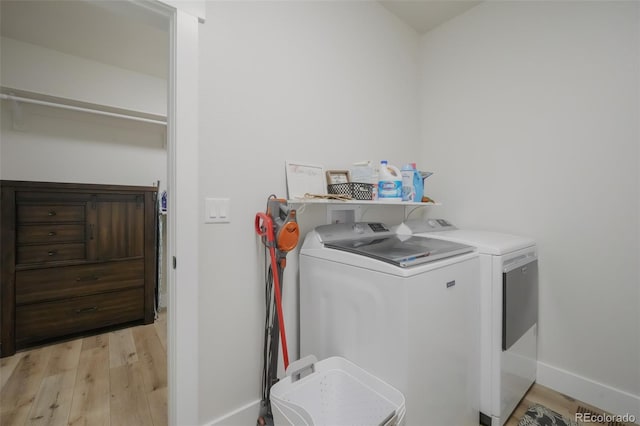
pixel 86 310
pixel 51 234
pixel 52 213
pixel 88 278
pixel 52 253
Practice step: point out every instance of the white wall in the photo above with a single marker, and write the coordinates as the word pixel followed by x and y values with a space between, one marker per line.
pixel 321 82
pixel 49 144
pixel 530 121
pixel 62 146
pixel 33 68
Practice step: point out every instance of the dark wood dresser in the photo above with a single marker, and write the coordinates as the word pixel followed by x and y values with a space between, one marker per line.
pixel 74 258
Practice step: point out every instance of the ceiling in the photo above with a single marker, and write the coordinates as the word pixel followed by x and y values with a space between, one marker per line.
pixel 122 34
pixel 112 32
pixel 425 15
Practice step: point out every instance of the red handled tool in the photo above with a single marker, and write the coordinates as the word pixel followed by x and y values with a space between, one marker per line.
pixel 264 228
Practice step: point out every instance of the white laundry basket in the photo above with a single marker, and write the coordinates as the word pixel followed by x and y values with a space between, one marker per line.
pixel 335 392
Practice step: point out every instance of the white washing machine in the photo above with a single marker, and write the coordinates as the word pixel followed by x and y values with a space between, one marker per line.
pixel 403 308
pixel 509 312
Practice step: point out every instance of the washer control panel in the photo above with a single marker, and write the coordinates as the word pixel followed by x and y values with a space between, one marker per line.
pixel 378 227
pixel 350 231
pixel 439 223
pixel 417 226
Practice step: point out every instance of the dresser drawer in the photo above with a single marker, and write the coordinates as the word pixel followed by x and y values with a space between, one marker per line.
pixel 52 233
pixel 50 213
pixel 51 319
pixel 37 285
pixel 41 253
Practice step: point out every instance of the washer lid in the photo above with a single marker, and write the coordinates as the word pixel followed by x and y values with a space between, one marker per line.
pixel 401 250
pixel 487 242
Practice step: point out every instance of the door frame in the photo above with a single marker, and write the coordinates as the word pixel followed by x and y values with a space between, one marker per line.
pixel 182 238
pixel 182 207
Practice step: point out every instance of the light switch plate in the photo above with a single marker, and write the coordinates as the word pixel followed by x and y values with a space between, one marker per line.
pixel 217 210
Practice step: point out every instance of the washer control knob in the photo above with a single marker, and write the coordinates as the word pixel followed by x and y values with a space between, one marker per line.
pixel 358 228
pixel 432 223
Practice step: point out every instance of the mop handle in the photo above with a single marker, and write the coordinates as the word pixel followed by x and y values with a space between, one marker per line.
pixel 266 230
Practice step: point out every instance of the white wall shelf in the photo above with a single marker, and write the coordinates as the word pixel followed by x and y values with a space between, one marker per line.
pixel 363 202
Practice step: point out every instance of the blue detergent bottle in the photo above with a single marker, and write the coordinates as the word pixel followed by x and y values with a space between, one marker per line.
pixel 389 182
pixel 418 184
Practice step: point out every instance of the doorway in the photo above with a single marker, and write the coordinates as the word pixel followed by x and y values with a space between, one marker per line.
pixel 82 108
pixel 182 182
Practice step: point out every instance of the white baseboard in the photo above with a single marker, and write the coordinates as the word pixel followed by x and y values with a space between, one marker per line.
pixel 247 415
pixel 607 398
pixel 586 390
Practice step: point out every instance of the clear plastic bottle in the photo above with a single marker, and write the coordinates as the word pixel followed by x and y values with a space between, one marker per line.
pixel 374 182
pixel 408 189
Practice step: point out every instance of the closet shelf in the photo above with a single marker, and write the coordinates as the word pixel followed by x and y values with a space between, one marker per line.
pixel 70 104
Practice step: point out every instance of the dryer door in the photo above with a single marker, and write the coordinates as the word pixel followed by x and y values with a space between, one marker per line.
pixel 519 300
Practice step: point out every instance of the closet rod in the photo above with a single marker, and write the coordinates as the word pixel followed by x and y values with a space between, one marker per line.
pixel 75 108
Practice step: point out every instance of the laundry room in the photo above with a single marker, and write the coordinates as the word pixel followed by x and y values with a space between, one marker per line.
pixel 526 114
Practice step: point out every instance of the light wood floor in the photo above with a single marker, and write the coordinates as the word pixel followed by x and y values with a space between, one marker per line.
pixel 116 378
pixel 561 404
pixel 120 378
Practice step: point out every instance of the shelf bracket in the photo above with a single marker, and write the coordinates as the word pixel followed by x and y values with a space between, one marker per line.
pixel 17 122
